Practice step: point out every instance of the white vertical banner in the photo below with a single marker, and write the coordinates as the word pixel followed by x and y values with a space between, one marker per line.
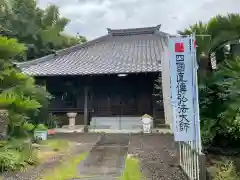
pixel 196 95
pixel 182 90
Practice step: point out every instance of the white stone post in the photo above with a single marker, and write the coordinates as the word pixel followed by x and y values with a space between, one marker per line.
pixel 147 125
pixel 72 119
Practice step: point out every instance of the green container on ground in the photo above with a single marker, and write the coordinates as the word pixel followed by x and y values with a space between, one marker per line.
pixel 40 134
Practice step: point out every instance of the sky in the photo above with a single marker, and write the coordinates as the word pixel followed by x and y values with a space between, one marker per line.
pixel 91 18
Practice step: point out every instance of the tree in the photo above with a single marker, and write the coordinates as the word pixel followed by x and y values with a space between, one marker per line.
pixel 41 30
pixel 18 92
pixel 219 102
pixel 221 30
pixel 20 97
pixel 219 96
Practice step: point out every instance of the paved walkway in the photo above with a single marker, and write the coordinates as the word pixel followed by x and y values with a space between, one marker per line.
pixel 106 159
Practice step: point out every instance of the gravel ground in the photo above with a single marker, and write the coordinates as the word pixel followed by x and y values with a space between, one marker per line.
pixel 83 142
pixel 158 155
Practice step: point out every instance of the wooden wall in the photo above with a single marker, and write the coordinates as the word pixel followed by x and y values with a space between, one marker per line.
pixel 108 95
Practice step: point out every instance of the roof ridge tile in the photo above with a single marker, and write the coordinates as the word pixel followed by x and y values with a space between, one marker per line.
pixel 134 31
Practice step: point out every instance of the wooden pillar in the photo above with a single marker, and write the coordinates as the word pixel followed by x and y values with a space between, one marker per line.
pixel 202 166
pixel 45 84
pixel 85 108
pixel 79 94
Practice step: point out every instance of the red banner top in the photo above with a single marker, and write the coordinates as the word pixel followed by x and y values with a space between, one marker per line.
pixel 179 47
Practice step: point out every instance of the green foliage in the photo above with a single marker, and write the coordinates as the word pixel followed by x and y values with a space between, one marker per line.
pixel 29 127
pixel 216 33
pixel 219 102
pixel 224 170
pixel 158 90
pixel 67 169
pixel 41 30
pixel 203 42
pixel 218 90
pixel 10 48
pixel 10 160
pixel 18 93
pixel 16 154
pixel 41 127
pixel 132 170
pixel 52 121
pixel 229 83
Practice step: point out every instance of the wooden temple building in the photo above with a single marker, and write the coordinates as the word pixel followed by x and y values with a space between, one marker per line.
pixel 108 82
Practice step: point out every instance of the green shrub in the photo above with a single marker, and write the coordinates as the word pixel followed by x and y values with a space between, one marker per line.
pixel 29 127
pixel 10 160
pixel 16 155
pixel 219 103
pixel 52 121
pixel 226 171
pixel 19 93
pixel 41 127
pixel 3 143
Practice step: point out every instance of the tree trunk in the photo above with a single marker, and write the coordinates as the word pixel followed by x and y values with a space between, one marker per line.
pixel 3 124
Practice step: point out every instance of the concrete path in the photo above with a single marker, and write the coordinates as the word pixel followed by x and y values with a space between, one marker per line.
pixel 107 158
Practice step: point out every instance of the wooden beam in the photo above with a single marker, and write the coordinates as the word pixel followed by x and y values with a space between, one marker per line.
pixel 85 108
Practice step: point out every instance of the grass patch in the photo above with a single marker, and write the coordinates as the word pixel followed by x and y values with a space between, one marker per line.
pixel 56 144
pixel 66 170
pixel 132 170
pixel 224 168
pixel 52 148
pixel 44 156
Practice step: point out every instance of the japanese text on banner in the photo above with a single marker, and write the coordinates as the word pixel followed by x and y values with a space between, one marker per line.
pixel 184 123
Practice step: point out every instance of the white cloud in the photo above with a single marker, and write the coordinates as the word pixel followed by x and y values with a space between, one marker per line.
pixel 91 17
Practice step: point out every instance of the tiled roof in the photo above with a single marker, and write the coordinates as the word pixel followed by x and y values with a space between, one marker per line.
pixel 120 51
